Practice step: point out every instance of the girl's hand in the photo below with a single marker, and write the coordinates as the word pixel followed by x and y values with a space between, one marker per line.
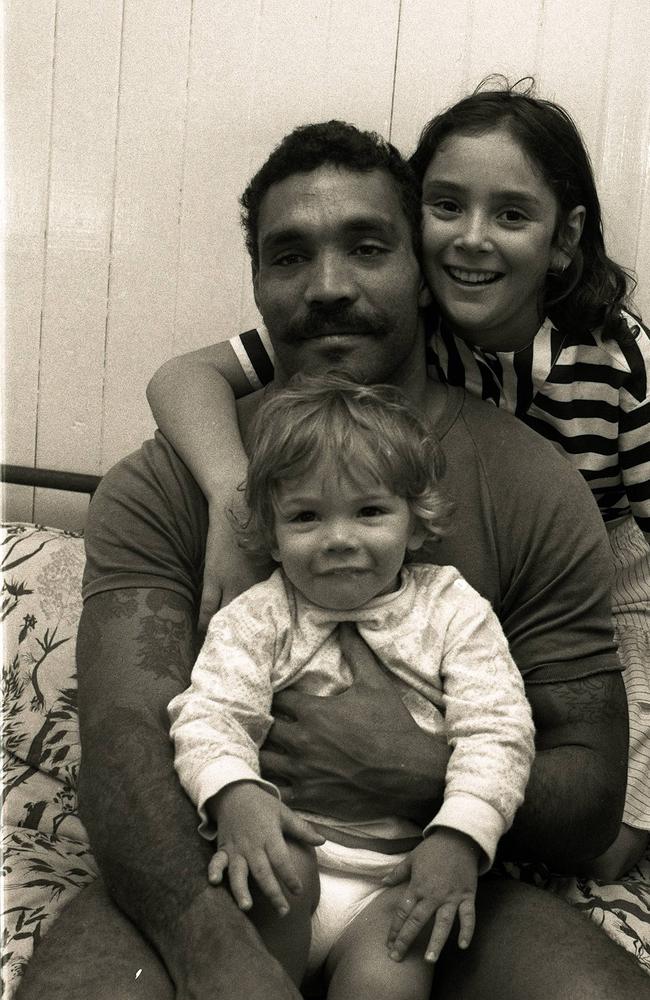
pixel 229 571
pixel 251 824
pixel 443 872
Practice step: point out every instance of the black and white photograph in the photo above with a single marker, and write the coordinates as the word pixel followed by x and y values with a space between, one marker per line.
pixel 326 500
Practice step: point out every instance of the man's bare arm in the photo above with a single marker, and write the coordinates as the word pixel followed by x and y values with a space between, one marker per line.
pixel 134 653
pixel 574 801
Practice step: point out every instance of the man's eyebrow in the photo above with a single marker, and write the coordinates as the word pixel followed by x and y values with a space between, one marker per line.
pixel 371 223
pixel 377 224
pixel 278 237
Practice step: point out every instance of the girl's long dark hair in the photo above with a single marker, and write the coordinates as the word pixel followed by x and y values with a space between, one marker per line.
pixel 593 289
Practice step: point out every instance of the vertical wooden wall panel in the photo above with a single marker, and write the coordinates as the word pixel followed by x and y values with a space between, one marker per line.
pixel 431 68
pixel 507 44
pixel 642 262
pixel 86 73
pixel 160 112
pixel 446 50
pixel 60 509
pixel 144 264
pixel 29 48
pixel 625 146
pixel 574 50
pixel 211 260
pixel 317 61
pixel 256 72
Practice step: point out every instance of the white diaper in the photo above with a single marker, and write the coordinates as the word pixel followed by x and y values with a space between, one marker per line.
pixel 350 878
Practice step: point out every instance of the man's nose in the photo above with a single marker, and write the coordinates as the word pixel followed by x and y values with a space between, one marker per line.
pixel 475 233
pixel 331 280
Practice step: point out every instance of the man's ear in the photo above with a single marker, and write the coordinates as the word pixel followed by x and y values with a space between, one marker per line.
pixel 568 238
pixel 255 278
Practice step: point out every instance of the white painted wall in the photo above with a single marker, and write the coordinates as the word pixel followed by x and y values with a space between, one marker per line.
pixel 133 125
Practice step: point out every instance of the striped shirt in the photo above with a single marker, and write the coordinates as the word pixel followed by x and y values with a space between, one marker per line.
pixel 587 394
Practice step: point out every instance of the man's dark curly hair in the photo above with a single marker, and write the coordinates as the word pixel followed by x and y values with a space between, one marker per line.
pixel 337 144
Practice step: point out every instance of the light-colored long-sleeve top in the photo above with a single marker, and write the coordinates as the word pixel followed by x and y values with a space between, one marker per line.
pixel 446 652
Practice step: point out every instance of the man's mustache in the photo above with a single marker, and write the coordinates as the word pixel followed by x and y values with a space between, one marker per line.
pixel 320 322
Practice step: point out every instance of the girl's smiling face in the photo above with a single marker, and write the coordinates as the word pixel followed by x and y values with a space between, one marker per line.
pixel 489 237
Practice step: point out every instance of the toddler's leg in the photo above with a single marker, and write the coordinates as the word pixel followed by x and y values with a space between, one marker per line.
pixel 358 965
pixel 288 938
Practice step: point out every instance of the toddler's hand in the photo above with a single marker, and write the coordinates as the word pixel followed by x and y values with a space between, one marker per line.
pixel 229 571
pixel 442 872
pixel 251 824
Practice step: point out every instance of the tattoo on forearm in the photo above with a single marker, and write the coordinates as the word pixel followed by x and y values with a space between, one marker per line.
pixel 157 623
pixel 592 700
pixel 116 605
pixel 150 796
pixel 163 634
pixel 120 603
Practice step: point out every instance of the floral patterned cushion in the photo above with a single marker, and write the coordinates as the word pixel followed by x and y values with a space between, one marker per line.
pixel 46 857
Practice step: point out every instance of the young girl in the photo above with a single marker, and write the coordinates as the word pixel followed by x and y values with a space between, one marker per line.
pixel 530 315
pixel 342 485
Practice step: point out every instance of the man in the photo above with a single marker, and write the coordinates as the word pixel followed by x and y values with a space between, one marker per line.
pixel 333 227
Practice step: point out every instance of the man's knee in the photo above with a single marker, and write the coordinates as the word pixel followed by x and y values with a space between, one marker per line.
pixel 93 952
pixel 530 945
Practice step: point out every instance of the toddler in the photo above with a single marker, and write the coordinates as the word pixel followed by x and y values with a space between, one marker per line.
pixel 343 486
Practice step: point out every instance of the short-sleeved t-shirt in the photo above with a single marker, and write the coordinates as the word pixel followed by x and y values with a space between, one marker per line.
pixel 527 536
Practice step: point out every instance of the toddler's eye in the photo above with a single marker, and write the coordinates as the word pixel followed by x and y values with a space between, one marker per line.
pixel 304 516
pixel 371 511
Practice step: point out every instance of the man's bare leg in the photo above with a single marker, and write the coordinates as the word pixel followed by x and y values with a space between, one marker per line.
pixel 93 952
pixel 530 945
pixel 626 852
pixel 288 938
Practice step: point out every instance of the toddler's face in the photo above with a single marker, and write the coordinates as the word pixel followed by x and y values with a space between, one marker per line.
pixel 342 540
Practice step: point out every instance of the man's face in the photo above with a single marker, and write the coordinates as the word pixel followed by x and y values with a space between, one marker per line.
pixel 338 284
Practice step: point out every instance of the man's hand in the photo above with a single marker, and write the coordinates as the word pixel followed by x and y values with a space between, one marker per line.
pixel 358 754
pixel 251 824
pixel 228 571
pixel 443 872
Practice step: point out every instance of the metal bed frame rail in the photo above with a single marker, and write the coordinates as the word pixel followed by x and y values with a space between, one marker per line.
pixel 50 479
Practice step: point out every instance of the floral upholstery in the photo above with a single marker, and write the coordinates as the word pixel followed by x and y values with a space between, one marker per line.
pixel 46 858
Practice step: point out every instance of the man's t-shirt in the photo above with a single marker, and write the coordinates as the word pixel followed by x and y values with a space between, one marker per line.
pixel 527 536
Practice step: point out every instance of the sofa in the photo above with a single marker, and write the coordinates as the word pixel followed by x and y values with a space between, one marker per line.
pixel 46 856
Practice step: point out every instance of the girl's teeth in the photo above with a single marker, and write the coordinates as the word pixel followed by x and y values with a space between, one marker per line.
pixel 473 277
